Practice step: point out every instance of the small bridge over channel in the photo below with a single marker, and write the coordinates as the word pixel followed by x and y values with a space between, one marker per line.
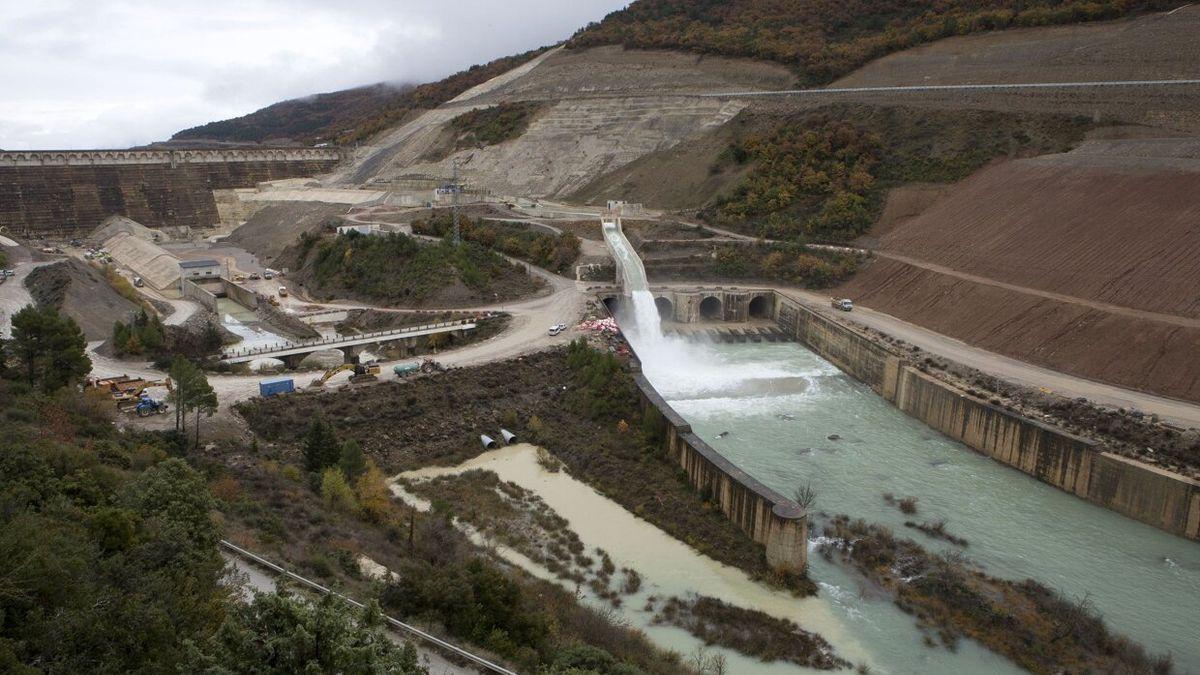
pixel 281 350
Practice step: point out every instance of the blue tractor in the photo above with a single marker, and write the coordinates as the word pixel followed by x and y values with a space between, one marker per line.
pixel 147 406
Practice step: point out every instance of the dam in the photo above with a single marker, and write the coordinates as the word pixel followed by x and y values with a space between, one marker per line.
pixel 789 418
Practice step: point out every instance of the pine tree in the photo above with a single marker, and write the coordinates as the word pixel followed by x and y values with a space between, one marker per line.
pixel 321 448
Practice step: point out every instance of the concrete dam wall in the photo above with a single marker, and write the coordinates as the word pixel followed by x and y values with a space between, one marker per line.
pixel 767 517
pixel 1151 495
pixel 71 192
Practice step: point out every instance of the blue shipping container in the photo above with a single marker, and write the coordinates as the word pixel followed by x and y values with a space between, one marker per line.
pixel 280 385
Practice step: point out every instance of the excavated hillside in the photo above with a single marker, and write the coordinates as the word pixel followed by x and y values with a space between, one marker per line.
pixel 1086 262
pixel 605 108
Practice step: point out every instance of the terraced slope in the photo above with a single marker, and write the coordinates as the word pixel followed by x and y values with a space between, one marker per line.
pixel 1087 262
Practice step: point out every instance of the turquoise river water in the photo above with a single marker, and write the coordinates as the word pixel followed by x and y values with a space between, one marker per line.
pixel 772 408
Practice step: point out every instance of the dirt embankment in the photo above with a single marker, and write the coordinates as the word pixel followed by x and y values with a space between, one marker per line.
pixel 278 226
pixel 82 293
pixel 1085 262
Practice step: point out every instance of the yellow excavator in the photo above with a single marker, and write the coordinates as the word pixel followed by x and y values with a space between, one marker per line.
pixel 360 373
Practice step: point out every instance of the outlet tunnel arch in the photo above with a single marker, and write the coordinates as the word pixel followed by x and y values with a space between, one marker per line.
pixel 710 308
pixel 666 309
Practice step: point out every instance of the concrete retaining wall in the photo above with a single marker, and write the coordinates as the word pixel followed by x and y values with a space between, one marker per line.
pixel 240 294
pixel 193 291
pixel 1166 500
pixel 769 518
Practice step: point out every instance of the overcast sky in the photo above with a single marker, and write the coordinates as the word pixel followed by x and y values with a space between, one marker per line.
pixel 116 73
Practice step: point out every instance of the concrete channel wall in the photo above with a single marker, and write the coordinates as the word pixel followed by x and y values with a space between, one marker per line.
pixel 769 518
pixel 1151 495
pixel 240 294
pixel 194 291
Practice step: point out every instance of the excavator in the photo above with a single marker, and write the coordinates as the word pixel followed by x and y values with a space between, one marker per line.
pixel 360 373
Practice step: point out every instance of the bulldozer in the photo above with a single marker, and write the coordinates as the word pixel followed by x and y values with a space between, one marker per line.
pixel 360 373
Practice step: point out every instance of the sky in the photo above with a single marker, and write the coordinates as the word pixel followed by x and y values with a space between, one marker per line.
pixel 119 73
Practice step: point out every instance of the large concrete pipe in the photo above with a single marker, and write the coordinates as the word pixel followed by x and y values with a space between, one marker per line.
pixel 508 436
pixel 488 441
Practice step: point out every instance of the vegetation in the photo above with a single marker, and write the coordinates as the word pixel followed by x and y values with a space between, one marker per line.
pixel 603 388
pixel 48 348
pixel 489 126
pixel 1032 625
pixel 107 549
pixel 826 39
pixel 431 575
pixel 351 115
pixel 281 633
pixel 396 269
pixel 824 176
pixel 790 263
pixel 191 392
pixel 555 252
pixel 750 632
pixel 143 334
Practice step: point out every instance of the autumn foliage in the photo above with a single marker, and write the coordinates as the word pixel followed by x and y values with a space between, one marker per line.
pixel 825 39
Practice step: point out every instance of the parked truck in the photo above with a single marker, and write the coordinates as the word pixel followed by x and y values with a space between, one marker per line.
pixel 279 385
pixel 843 304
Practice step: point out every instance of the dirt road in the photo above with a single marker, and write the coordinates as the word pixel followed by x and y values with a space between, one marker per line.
pixel 1174 411
pixel 13 294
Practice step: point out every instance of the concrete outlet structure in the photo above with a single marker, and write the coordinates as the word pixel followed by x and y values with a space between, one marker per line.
pixel 696 305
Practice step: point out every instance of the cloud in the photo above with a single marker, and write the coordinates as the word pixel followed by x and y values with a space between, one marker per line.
pixel 92 73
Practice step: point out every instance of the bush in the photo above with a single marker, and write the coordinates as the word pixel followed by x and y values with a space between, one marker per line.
pixel 336 491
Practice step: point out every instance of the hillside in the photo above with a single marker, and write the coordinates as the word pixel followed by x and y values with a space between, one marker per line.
pixel 825 39
pixel 1084 262
pixel 349 115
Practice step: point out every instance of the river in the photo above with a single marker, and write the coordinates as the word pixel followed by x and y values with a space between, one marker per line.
pixel 788 418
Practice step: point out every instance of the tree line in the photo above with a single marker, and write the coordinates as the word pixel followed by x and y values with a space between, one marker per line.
pixel 555 252
pixel 822 40
pixel 108 545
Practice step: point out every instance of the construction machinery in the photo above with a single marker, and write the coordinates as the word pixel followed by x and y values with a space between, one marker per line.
pixel 844 304
pixel 147 406
pixel 127 391
pixel 360 373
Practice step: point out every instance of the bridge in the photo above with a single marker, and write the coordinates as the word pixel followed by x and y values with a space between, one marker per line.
pixel 285 349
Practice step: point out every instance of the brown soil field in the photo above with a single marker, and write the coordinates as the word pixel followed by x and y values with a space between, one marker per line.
pixel 1140 354
pixel 1096 225
pixel 82 293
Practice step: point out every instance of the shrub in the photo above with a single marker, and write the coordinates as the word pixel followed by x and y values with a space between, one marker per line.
pixel 336 491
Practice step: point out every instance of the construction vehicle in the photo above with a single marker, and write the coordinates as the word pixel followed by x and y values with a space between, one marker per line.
pixel 127 390
pixel 273 300
pixel 406 369
pixel 360 373
pixel 843 304
pixel 283 291
pixel 147 406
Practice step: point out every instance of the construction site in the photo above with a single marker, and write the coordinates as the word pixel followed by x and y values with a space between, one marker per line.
pixel 620 340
